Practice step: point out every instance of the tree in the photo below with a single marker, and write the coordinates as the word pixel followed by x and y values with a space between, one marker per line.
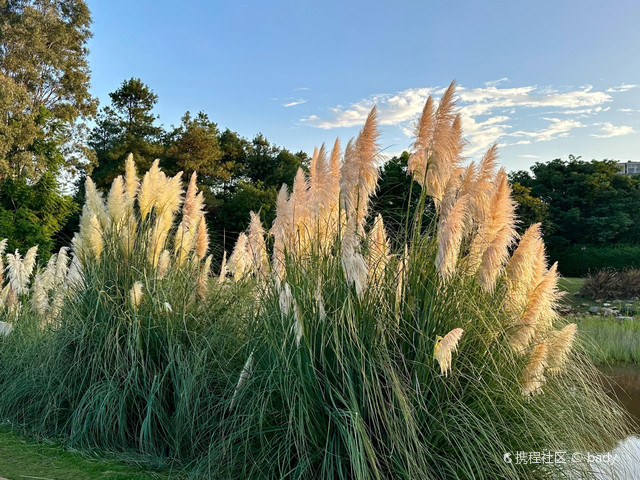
pixel 44 81
pixel 588 202
pixel 44 96
pixel 194 146
pixel 530 209
pixel 397 196
pixel 126 126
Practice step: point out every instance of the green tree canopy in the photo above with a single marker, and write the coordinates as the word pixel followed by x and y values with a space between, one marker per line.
pixel 126 126
pixel 588 202
pixel 44 96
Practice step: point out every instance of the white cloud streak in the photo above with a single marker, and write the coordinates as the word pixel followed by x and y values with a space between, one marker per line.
pixel 609 130
pixel 294 103
pixel 621 88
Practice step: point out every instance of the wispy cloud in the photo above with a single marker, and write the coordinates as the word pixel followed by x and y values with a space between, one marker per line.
pixel 609 130
pixel 621 88
pixel 301 89
pixel 489 113
pixel 294 103
pixel 495 83
pixel 527 155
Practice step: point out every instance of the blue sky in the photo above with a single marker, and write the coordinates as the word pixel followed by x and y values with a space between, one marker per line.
pixel 544 79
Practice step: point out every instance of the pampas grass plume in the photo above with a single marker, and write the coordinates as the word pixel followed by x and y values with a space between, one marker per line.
pixel 450 234
pixel 533 375
pixel 444 348
pixel 559 348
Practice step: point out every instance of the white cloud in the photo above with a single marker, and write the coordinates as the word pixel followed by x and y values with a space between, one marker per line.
pixel 557 129
pixel 301 88
pixel 495 83
pixel 609 130
pixel 294 103
pixel 621 88
pixel 489 113
pixel 524 155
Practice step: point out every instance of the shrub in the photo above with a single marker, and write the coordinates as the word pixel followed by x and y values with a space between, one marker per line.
pixel 576 262
pixel 611 284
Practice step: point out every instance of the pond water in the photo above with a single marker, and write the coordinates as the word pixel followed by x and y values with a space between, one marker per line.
pixel 623 384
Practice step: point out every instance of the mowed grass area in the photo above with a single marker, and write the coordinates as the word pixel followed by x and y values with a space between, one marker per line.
pixel 23 458
pixel 608 340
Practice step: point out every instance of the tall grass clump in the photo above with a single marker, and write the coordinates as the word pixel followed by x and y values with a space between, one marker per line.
pixel 428 362
pixel 319 351
pixel 124 343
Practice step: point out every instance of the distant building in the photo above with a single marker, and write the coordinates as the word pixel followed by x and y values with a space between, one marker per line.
pixel 629 168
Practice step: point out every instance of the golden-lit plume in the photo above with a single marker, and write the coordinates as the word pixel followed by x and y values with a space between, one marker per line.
pixel 443 152
pixel 533 375
pixel 117 204
pixel 559 347
pixel 444 348
pixel 299 206
pixel 424 134
pixel 223 268
pixel 334 168
pixel 539 312
pixel 281 230
pixel 483 187
pixel 359 174
pixel 451 231
pixel 131 181
pixel 88 242
pixel 437 146
pixel 489 249
pixel 378 253
pixel 164 262
pixel 202 239
pixel 256 245
pixel 135 294
pixel 520 276
pixel 191 215
pixel 239 262
pixel 333 191
pixel 149 189
pixel 451 192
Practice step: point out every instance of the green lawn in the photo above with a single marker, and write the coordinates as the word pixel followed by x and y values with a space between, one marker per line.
pixel 22 458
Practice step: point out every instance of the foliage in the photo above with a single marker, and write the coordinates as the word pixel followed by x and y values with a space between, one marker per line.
pixel 588 202
pixel 127 126
pixel 530 209
pixel 30 214
pixel 43 68
pixel 397 196
pixel 579 260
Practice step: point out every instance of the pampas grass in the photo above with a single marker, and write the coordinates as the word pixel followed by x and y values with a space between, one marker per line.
pixel 321 359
